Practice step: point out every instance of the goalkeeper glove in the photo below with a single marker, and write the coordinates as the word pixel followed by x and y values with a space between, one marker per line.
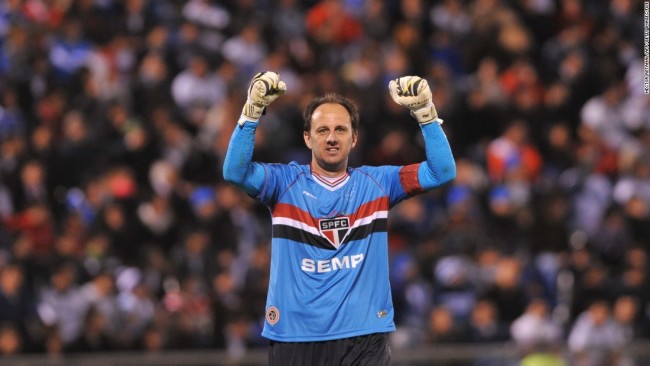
pixel 264 89
pixel 413 93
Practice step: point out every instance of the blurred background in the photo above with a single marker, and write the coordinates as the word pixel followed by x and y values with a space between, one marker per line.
pixel 119 238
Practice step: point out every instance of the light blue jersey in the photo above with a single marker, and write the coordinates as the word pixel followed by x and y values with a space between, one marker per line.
pixel 329 262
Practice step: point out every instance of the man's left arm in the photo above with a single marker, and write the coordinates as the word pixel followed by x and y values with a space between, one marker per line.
pixel 440 167
pixel 414 93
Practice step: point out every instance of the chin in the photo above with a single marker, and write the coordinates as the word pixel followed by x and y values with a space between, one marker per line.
pixel 333 163
pixel 329 166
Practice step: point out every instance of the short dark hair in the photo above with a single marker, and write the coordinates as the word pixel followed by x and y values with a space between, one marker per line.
pixel 334 99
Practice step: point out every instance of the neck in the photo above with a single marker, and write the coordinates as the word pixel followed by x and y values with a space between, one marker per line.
pixel 329 172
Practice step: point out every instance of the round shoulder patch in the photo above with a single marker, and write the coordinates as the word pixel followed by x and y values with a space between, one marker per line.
pixel 272 315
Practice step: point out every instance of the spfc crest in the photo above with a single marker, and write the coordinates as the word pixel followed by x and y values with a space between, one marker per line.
pixel 334 230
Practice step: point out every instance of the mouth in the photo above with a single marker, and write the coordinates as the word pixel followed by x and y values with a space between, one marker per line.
pixel 332 150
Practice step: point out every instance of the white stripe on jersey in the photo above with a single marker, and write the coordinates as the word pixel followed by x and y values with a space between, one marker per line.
pixel 295 223
pixel 364 221
pixel 368 219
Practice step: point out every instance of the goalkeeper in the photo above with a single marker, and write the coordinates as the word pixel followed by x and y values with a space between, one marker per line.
pixel 329 299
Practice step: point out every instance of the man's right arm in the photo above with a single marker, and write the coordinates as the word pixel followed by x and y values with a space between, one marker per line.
pixel 238 167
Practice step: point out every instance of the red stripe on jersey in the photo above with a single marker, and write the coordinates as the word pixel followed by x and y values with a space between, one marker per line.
pixel 294 213
pixel 408 175
pixel 369 208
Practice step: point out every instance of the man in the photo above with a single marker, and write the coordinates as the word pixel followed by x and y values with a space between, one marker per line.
pixel 329 299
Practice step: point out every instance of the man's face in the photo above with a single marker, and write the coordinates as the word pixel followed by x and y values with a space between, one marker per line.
pixel 330 139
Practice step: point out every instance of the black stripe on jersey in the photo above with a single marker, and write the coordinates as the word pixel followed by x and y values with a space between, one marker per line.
pixel 363 231
pixel 301 236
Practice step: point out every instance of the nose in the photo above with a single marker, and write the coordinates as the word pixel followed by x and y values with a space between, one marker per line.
pixel 331 138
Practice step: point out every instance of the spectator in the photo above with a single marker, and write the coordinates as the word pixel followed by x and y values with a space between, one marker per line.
pixel 12 121
pixel 556 145
pixel 151 87
pixel 11 342
pixel 611 240
pixel 101 314
pixel 121 231
pixel 76 155
pixel 15 53
pixel 507 291
pixel 625 312
pixel 589 181
pixel 330 27
pixel 413 294
pixel 512 153
pixel 33 188
pixel 595 338
pixel 111 66
pixel 159 220
pixel 226 302
pixel 549 241
pixel 482 105
pixel 534 331
pixel 70 50
pixel 194 257
pixel 196 88
pixel 603 114
pixel 153 340
pixel 246 49
pixel 6 204
pixel 632 193
pixel 443 327
pixel 452 16
pixel 287 22
pixel 455 285
pixel 17 305
pixel 95 336
pixel 37 235
pixel 464 228
pixel 137 308
pixel 206 13
pixel 62 306
pixel 484 324
pixel 191 318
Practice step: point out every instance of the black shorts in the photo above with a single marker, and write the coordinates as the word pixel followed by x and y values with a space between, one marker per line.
pixel 371 350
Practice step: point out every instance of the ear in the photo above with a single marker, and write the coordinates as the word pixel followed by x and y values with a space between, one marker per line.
pixel 307 138
pixel 355 137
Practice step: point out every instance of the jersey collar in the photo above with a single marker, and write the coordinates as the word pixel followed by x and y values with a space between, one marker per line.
pixel 331 184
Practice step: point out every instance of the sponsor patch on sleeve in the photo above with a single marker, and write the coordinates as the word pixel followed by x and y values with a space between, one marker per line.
pixel 272 315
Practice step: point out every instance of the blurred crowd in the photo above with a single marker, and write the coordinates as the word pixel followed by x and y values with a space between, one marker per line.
pixel 119 233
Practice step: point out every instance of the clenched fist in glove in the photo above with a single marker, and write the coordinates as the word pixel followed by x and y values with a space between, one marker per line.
pixel 413 93
pixel 264 88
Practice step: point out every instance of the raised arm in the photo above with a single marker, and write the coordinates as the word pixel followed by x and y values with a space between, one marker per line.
pixel 414 93
pixel 238 167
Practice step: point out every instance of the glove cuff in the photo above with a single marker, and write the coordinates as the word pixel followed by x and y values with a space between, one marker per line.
pixel 252 111
pixel 426 114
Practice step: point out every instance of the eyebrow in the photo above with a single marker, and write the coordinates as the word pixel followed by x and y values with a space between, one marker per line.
pixel 335 126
